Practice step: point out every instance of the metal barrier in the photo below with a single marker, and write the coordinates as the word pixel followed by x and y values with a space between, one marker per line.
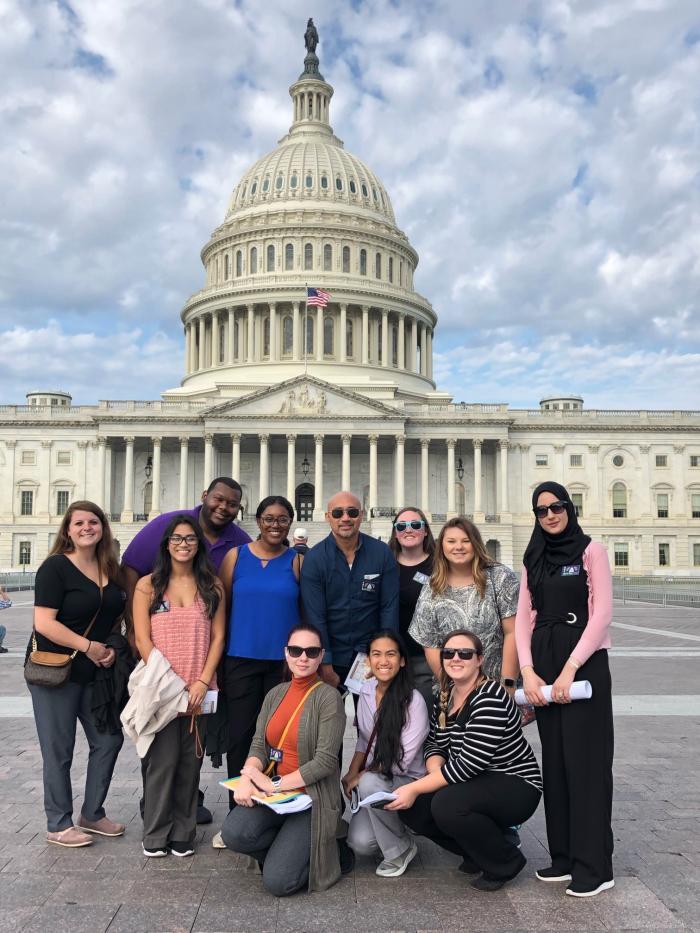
pixel 659 591
pixel 17 580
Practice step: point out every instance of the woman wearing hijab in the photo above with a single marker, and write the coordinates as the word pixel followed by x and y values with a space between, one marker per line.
pixel 562 634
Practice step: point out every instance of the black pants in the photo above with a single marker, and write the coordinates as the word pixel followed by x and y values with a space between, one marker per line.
pixel 469 819
pixel 577 756
pixel 246 683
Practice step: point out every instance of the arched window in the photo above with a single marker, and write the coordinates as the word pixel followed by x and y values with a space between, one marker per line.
pixel 239 262
pixel 309 181
pixel 339 183
pixel 324 182
pixel 289 257
pixel 391 268
pixel 378 265
pixel 266 336
pixel 395 349
pixel 222 344
pixel 400 271
pixel 308 256
pixel 348 339
pixel 328 334
pixel 379 341
pixel 266 186
pixel 363 262
pixel 293 181
pixel 309 328
pixel 278 182
pixel 270 258
pixel 287 335
pixel 227 266
pixel 236 338
pixel 327 258
pixel 253 260
pixel 346 259
pixel 619 500
pixel 353 186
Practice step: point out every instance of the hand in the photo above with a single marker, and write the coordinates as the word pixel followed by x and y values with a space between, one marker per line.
pixel 109 660
pixel 562 685
pixel 261 782
pixel 243 794
pixel 510 691
pixel 531 685
pixel 328 675
pixel 351 780
pixel 97 652
pixel 196 692
pixel 405 798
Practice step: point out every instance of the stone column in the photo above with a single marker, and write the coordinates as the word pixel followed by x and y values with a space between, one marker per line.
pixel 296 342
pixel 424 350
pixel 236 457
pixel 678 508
pixel 365 335
pixel 559 462
pixel 208 458
pixel 429 354
pixel 342 356
pixel 128 509
pixel 102 472
pixel 345 463
pixel 399 495
pixel 155 488
pixel 230 354
pixel 477 442
pixel 319 334
pixel 45 478
pixel 188 350
pixel 215 339
pixel 14 505
pixel 250 350
pixel 291 466
pixel 503 505
pixel 413 347
pixel 524 479
pixel 264 481
pixel 184 453
pixel 451 509
pixel 318 478
pixel 425 474
pixel 202 362
pixel 645 506
pixel 372 472
pixel 82 469
pixel 274 343
pixel 385 337
pixel 402 341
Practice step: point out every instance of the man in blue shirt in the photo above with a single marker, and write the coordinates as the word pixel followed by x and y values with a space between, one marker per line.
pixel 349 587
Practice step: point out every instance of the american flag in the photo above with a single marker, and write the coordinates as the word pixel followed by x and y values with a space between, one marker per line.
pixel 317 298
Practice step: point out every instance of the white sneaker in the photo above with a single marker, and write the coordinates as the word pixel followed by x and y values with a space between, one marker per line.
pixel 580 891
pixel 217 842
pixel 392 868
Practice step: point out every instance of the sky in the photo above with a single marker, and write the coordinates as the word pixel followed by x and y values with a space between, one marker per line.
pixel 542 157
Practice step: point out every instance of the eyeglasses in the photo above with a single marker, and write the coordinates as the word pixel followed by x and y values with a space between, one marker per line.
pixel 296 651
pixel 352 512
pixel 556 508
pixel 415 525
pixel 283 521
pixel 183 539
pixel 464 654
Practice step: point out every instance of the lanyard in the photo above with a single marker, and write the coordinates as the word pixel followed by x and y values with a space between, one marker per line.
pixel 270 768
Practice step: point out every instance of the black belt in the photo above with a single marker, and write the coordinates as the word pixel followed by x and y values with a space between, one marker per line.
pixel 571 620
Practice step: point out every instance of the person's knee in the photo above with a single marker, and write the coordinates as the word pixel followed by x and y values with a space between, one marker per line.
pixel 443 812
pixel 362 840
pixel 370 783
pixel 236 832
pixel 282 884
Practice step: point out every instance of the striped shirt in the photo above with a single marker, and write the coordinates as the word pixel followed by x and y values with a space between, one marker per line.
pixel 489 738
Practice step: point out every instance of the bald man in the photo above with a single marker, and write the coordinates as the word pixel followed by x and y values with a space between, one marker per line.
pixel 349 587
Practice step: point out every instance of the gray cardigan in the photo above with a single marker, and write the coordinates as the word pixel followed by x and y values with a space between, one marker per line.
pixel 321 729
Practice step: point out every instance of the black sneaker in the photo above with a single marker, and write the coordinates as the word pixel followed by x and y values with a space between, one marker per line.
pixel 157 852
pixel 513 837
pixel 582 890
pixel 346 856
pixel 3 649
pixel 182 849
pixel 203 814
pixel 552 874
pixel 486 883
pixel 468 867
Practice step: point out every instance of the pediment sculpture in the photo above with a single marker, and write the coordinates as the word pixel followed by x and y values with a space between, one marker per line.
pixel 304 402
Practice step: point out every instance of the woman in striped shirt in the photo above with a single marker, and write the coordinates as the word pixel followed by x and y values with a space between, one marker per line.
pixel 482 774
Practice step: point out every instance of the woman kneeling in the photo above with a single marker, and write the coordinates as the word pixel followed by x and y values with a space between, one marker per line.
pixel 297 738
pixel 482 775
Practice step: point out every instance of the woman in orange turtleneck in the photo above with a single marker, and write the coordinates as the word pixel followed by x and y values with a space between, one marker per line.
pixel 298 735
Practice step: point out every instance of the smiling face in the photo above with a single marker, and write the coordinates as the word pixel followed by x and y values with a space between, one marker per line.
pixel 410 537
pixel 183 543
pixel 303 666
pixel 551 523
pixel 274 525
pixel 458 670
pixel 385 659
pixel 220 506
pixel 84 529
pixel 457 547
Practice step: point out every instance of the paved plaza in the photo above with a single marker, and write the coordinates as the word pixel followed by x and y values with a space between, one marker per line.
pixel 110 886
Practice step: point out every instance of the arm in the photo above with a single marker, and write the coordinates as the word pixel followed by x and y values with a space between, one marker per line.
pixel 352 777
pixel 198 690
pixel 483 734
pixel 228 565
pixel 432 656
pixel 46 624
pixel 142 617
pixel 389 596
pixel 407 793
pixel 509 665
pixel 416 730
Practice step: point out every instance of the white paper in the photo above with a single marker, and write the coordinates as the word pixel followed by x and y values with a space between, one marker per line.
pixel 295 805
pixel 580 690
pixel 358 673
pixel 380 796
pixel 210 702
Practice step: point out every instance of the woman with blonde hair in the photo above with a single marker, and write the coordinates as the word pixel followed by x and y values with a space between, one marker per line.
pixel 78 603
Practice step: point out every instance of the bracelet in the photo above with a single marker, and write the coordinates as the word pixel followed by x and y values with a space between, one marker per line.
pixel 88 647
pixel 200 681
pixel 526 667
pixel 573 662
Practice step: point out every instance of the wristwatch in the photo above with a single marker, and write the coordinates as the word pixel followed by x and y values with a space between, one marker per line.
pixel 276 781
pixel 507 682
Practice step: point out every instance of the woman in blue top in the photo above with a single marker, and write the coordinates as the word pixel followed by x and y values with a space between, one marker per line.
pixel 261 582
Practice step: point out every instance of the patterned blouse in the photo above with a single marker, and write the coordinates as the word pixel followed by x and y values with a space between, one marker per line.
pixel 462 607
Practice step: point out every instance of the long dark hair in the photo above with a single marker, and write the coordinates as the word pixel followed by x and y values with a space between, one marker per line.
pixel 202 569
pixel 392 715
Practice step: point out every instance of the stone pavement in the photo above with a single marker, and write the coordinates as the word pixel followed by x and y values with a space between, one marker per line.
pixel 110 886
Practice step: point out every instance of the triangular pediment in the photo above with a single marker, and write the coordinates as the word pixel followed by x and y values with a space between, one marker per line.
pixel 304 397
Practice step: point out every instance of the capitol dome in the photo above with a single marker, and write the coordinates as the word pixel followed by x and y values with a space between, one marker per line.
pixel 308 214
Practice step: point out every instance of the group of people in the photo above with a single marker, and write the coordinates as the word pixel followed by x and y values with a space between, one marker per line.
pixel 276 629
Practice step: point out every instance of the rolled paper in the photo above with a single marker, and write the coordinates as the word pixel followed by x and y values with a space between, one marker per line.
pixel 580 690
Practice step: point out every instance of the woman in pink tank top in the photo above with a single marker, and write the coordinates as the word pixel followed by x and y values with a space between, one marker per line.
pixel 179 610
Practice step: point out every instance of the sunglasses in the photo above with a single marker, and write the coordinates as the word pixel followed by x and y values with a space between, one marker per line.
pixel 464 654
pixel 556 508
pixel 415 525
pixel 352 512
pixel 296 651
pixel 183 539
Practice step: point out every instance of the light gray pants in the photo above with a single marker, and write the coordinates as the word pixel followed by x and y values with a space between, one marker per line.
pixel 373 830
pixel 56 713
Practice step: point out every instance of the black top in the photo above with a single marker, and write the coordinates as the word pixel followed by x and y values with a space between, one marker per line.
pixel 60 585
pixel 411 582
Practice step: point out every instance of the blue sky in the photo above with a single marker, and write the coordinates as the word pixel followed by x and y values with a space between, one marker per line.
pixel 542 157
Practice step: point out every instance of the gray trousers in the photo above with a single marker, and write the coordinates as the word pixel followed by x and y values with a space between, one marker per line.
pixel 56 713
pixel 373 831
pixel 170 772
pixel 281 843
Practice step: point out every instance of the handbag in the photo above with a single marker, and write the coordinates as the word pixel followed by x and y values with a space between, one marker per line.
pixel 51 668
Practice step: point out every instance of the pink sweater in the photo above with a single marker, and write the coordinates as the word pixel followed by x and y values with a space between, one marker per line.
pixel 597 632
pixel 182 635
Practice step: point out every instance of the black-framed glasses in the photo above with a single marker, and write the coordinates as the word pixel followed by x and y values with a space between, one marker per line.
pixel 415 525
pixel 296 651
pixel 352 512
pixel 183 539
pixel 464 654
pixel 556 508
pixel 282 520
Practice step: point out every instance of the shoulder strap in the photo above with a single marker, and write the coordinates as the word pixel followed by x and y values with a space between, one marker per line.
pixel 372 737
pixel 291 719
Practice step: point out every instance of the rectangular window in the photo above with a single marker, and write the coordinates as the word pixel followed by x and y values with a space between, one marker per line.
pixel 576 460
pixel 622 554
pixel 25 553
pixel 661 460
pixel 664 553
pixel 696 554
pixel 662 505
pixel 695 505
pixel 695 460
pixel 26 502
pixel 541 460
pixel 64 457
pixel 28 457
pixel 577 500
pixel 62 501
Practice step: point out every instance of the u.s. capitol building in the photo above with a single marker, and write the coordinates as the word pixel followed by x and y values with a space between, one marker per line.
pixel 305 401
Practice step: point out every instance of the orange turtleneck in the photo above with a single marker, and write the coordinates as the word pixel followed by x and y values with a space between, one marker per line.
pixel 280 718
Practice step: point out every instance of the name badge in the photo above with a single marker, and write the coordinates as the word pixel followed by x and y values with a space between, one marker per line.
pixel 164 606
pixel 371 576
pixel 421 578
pixel 571 571
pixel 369 586
pixel 276 754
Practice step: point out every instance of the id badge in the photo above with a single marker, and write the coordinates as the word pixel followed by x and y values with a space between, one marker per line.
pixel 164 606
pixel 369 586
pixel 276 755
pixel 421 578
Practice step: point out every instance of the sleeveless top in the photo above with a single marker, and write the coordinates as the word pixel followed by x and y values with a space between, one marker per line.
pixel 264 605
pixel 182 635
